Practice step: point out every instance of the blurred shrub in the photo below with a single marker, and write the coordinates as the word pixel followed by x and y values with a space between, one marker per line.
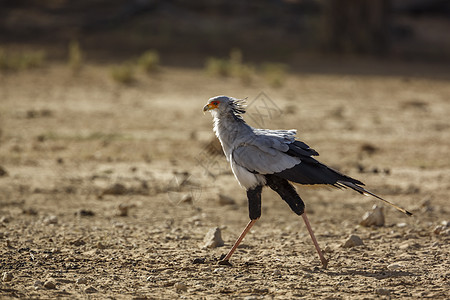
pixel 124 74
pixel 245 73
pixel 217 66
pixel 275 73
pixel 75 59
pixel 21 61
pixel 233 66
pixel 149 61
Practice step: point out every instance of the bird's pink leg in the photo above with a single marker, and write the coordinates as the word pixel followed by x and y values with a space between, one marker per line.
pixel 311 233
pixel 238 241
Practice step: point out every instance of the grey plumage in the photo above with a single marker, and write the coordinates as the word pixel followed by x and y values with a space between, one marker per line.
pixel 256 153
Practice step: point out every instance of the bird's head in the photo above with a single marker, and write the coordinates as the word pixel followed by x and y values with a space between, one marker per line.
pixel 225 104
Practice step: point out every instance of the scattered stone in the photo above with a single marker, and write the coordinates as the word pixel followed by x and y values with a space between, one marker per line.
pixel 180 287
pixel 353 241
pixel 426 206
pixel 218 270
pixel 199 260
pixel 4 219
pixel 276 272
pixel 369 148
pixel 443 229
pixel 401 225
pixel 81 280
pixel 225 200
pixel 3 172
pixel 38 284
pixel 85 213
pixel 123 210
pixel 7 276
pixel 213 238
pixel 188 199
pixel 51 220
pixel 395 266
pixel 408 245
pixel 8 244
pixel 90 290
pixel 99 245
pixel 78 242
pixel 375 217
pixel 50 285
pixel 29 211
pixel 383 292
pixel 115 189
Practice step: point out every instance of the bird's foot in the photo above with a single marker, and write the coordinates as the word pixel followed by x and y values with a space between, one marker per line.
pixel 325 263
pixel 224 263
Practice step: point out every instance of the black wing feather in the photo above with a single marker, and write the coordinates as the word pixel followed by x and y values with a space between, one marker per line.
pixel 311 171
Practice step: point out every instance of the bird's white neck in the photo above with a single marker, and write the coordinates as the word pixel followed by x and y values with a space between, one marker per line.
pixel 228 128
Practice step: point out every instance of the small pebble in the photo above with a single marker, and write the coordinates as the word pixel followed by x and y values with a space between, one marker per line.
pixel 187 199
pixel 3 172
pixel 375 217
pixel 384 292
pixel 4 219
pixel 353 241
pixel 123 209
pixel 7 276
pixel 276 272
pixel 50 285
pixel 115 189
pixel 38 283
pixel 99 245
pixel 213 238
pixel 51 220
pixel 395 267
pixel 199 260
pixel 90 290
pixel 180 287
pixel 85 213
pixel 218 270
pixel 82 280
pixel 441 230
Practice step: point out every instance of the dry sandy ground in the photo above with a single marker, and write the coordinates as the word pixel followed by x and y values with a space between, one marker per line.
pixel 110 190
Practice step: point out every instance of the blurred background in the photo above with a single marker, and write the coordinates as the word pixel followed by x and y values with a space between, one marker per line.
pixel 188 31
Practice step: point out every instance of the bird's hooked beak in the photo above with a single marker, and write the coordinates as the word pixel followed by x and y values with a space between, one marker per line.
pixel 209 106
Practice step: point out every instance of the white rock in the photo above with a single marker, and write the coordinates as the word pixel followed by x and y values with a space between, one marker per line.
pixel 51 220
pixel 395 266
pixel 213 238
pixel 353 241
pixel 187 199
pixel 375 217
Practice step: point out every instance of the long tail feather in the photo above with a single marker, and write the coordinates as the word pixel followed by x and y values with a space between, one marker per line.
pixel 363 191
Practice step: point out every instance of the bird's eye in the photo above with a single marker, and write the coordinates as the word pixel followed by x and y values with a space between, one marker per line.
pixel 216 103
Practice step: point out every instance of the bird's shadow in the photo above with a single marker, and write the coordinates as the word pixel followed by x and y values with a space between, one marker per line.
pixel 378 274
